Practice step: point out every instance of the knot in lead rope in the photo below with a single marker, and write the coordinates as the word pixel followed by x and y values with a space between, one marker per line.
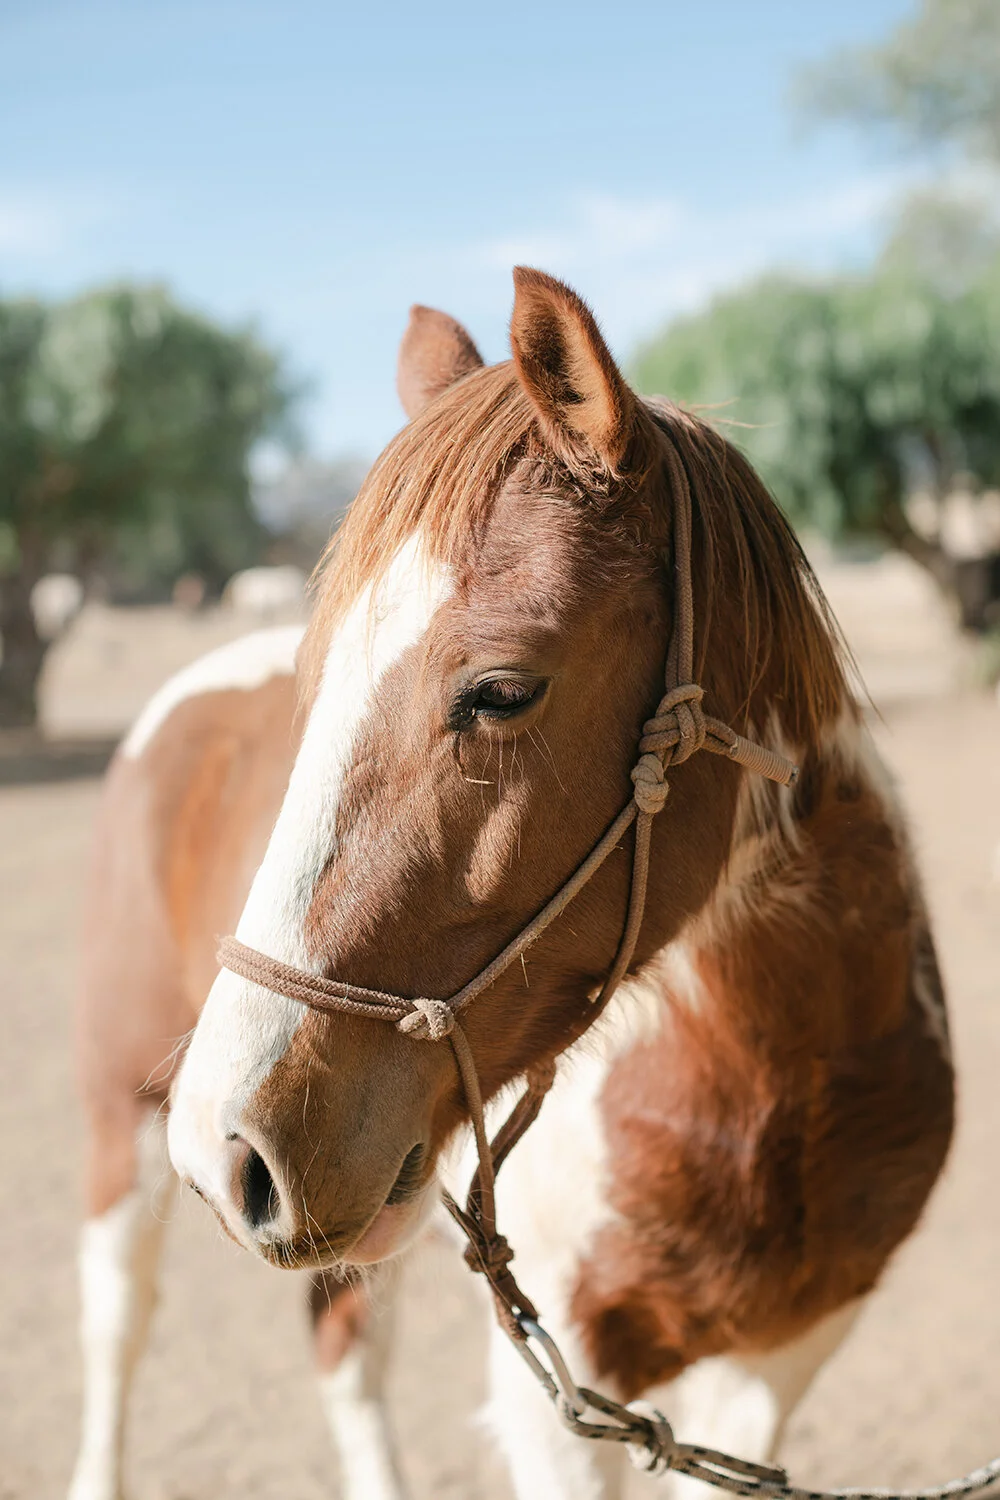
pixel 489 1253
pixel 675 732
pixel 655 1453
pixel 428 1021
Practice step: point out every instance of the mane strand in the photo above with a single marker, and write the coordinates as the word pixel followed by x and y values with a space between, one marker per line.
pixel 761 614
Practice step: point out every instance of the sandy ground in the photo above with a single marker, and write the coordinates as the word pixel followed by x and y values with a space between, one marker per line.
pixel 225 1405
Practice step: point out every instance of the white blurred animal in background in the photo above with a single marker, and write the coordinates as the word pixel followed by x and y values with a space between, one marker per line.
pixel 56 600
pixel 266 592
pixel 996 852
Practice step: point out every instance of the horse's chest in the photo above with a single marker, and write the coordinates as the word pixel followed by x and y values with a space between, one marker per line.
pixel 670 1204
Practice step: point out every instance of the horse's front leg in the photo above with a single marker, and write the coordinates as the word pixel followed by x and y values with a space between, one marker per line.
pixel 352 1324
pixel 546 1460
pixel 131 1191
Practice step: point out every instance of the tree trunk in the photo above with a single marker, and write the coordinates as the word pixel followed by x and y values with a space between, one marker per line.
pixel 929 555
pixel 977 589
pixel 23 653
pixel 971 585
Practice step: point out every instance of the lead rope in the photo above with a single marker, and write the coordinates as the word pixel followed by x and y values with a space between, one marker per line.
pixel 678 729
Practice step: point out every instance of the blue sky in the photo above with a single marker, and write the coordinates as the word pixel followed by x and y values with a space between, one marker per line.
pixel 316 167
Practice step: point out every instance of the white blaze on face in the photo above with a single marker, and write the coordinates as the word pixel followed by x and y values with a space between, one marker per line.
pixel 244 1030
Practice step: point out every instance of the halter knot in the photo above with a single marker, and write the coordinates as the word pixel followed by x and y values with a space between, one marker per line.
pixel 674 733
pixel 678 727
pixel 428 1021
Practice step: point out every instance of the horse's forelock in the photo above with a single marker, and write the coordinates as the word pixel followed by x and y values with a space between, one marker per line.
pixel 439 476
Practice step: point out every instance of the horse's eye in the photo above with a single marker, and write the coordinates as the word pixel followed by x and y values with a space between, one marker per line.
pixel 495 698
pixel 503 696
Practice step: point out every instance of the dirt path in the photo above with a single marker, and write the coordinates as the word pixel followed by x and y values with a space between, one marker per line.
pixel 225 1405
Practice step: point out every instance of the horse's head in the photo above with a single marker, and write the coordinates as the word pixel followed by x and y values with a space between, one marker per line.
pixel 489 636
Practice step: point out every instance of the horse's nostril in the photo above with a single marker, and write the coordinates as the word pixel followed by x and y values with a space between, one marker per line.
pixel 260 1196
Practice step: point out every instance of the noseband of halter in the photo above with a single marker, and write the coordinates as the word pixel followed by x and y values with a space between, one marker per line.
pixel 678 729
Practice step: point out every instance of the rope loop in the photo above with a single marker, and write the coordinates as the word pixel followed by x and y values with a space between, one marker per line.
pixel 428 1021
pixel 654 1453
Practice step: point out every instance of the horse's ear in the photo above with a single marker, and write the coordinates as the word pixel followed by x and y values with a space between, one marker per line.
pixel 567 369
pixel 435 352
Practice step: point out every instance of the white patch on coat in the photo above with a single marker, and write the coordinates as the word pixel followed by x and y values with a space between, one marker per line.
pixel 556 1180
pixel 765 808
pixel 551 1204
pixel 675 966
pixel 741 1404
pixel 119 1253
pixel 243 1029
pixel 765 835
pixel 849 741
pixel 242 664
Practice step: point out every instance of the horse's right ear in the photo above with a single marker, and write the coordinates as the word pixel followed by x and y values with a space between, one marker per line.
pixel 567 370
pixel 435 352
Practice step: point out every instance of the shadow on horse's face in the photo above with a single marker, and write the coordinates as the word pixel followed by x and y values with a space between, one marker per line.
pixel 488 640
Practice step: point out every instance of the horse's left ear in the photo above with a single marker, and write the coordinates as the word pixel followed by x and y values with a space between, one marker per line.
pixel 435 352
pixel 566 368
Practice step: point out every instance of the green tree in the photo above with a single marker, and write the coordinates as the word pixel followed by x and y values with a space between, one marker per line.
pixel 935 81
pixel 945 237
pixel 849 390
pixel 126 425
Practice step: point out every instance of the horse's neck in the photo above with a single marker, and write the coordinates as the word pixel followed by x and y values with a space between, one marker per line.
pixel 804 942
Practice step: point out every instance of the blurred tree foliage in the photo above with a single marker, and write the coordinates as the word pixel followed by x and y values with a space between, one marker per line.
pixel 934 85
pixel 934 81
pixel 946 236
pixel 853 391
pixel 858 390
pixel 126 425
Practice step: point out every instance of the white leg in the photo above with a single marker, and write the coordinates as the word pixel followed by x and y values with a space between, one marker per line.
pixel 741 1404
pixel 546 1460
pixel 351 1394
pixel 551 1204
pixel 119 1253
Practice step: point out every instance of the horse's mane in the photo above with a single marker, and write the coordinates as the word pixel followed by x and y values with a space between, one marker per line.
pixel 440 476
pixel 753 580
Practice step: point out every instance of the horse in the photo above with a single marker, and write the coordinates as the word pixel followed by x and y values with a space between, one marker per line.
pixel 735 1141
pixel 266 591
